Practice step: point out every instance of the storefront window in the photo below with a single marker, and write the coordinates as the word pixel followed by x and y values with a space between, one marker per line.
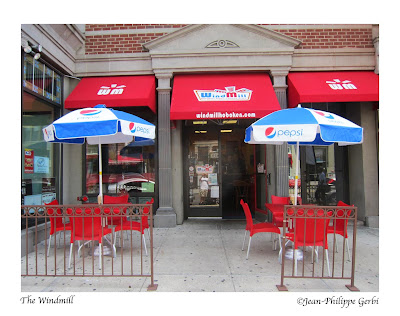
pixel 39 175
pixel 320 176
pixel 41 79
pixel 126 168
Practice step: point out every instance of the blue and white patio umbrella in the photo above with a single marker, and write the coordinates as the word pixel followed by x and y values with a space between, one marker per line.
pixel 303 126
pixel 98 125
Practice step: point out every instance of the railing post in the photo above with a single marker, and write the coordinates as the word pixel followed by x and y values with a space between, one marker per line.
pixel 351 286
pixel 152 286
pixel 282 287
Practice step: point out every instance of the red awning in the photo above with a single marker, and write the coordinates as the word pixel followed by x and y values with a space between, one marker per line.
pixel 222 96
pixel 335 86
pixel 123 91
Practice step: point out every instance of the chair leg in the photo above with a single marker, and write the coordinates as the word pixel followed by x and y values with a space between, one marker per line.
pixel 48 247
pixel 348 249
pixel 248 248
pixel 280 242
pixel 244 238
pixel 79 248
pixel 312 255
pixel 144 243
pixel 114 247
pixel 327 262
pixel 70 254
pixel 99 255
pixel 316 255
pixel 59 239
pixel 148 233
pixel 335 241
pixel 280 249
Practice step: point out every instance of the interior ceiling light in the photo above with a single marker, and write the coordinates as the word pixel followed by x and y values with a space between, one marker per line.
pixel 226 131
pixel 229 122
pixel 199 122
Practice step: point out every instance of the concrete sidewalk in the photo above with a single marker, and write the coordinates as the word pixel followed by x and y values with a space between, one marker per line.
pixel 204 255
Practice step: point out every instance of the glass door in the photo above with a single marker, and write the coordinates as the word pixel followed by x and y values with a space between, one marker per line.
pixel 219 171
pixel 202 174
pixel 237 172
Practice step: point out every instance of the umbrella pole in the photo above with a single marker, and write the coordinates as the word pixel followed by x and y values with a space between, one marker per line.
pixel 100 197
pixel 297 173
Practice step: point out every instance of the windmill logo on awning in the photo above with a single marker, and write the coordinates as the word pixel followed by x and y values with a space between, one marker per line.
pixel 337 84
pixel 113 89
pixel 229 94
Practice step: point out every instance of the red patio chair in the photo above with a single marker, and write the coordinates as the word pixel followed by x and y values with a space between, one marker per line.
pixel 256 228
pixel 56 222
pixel 339 225
pixel 277 219
pixel 309 231
pixel 118 218
pixel 138 226
pixel 280 200
pixel 86 227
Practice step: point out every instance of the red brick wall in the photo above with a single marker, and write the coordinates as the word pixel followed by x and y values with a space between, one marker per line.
pixel 132 43
pixel 331 38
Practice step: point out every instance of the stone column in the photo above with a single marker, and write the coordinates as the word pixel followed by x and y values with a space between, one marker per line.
pixel 177 171
pixel 165 216
pixel 281 151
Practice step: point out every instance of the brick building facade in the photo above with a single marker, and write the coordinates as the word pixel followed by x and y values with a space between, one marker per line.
pixel 167 50
pixel 119 38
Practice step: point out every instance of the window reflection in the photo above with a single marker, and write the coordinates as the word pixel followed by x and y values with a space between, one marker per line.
pixel 38 184
pixel 126 168
pixel 320 175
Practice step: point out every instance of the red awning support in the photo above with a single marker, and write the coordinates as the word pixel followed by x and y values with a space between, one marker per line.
pixel 336 86
pixel 222 96
pixel 122 91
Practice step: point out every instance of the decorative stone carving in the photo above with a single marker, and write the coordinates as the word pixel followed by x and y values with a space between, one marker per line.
pixel 222 44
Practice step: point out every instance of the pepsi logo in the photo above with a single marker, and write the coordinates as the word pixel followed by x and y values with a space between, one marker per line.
pixel 270 132
pixel 132 127
pixel 90 112
pixel 326 115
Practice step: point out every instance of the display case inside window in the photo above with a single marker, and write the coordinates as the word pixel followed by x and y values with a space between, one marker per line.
pixel 126 168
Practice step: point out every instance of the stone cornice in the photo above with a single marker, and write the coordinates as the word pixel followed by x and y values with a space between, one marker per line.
pixel 180 62
pixel 224 52
pixel 334 59
pixel 114 65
